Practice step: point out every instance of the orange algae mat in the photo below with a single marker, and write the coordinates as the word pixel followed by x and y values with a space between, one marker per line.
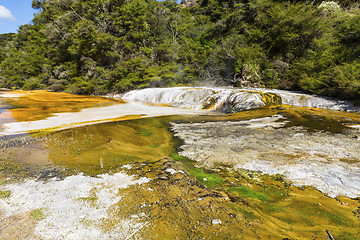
pixel 41 104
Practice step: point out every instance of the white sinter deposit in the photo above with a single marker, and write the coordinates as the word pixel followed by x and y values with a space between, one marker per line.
pixel 196 98
pixel 73 208
pixel 330 162
pixel 228 99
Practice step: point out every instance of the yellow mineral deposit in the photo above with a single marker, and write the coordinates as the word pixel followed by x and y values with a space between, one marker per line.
pixel 40 104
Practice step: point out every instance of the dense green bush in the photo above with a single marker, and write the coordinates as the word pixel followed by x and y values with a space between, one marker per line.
pixel 100 46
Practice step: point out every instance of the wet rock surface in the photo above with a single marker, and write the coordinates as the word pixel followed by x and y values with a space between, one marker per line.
pixel 330 162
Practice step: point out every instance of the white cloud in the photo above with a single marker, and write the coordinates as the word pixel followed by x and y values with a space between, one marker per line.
pixel 6 14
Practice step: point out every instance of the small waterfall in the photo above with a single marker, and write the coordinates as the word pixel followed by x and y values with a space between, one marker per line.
pixel 194 98
pixel 224 99
pixel 230 99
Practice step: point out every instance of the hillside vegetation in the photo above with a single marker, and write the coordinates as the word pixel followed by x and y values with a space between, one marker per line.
pixel 101 46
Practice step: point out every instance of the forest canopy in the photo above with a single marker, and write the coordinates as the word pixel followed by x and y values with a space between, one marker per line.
pixel 101 46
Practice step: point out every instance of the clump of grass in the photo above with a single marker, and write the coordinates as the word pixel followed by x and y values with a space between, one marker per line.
pixel 154 145
pixel 247 192
pixel 37 214
pixel 5 194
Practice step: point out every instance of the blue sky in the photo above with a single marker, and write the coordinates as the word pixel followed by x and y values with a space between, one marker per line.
pixel 14 13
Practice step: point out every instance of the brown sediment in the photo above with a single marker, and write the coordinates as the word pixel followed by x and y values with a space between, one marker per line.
pixel 40 104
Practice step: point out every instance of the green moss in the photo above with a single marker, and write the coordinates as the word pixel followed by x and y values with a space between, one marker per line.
pixel 154 145
pixel 177 157
pixel 207 179
pixel 37 214
pixel 5 194
pixel 247 192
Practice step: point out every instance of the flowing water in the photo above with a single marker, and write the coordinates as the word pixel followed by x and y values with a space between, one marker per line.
pixel 187 162
pixel 229 99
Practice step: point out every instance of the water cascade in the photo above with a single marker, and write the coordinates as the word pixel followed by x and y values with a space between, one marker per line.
pixel 230 99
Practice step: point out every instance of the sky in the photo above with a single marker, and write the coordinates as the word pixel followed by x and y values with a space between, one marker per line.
pixel 14 13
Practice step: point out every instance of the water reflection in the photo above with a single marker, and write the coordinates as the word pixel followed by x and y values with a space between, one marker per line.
pixel 5 114
pixel 98 148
